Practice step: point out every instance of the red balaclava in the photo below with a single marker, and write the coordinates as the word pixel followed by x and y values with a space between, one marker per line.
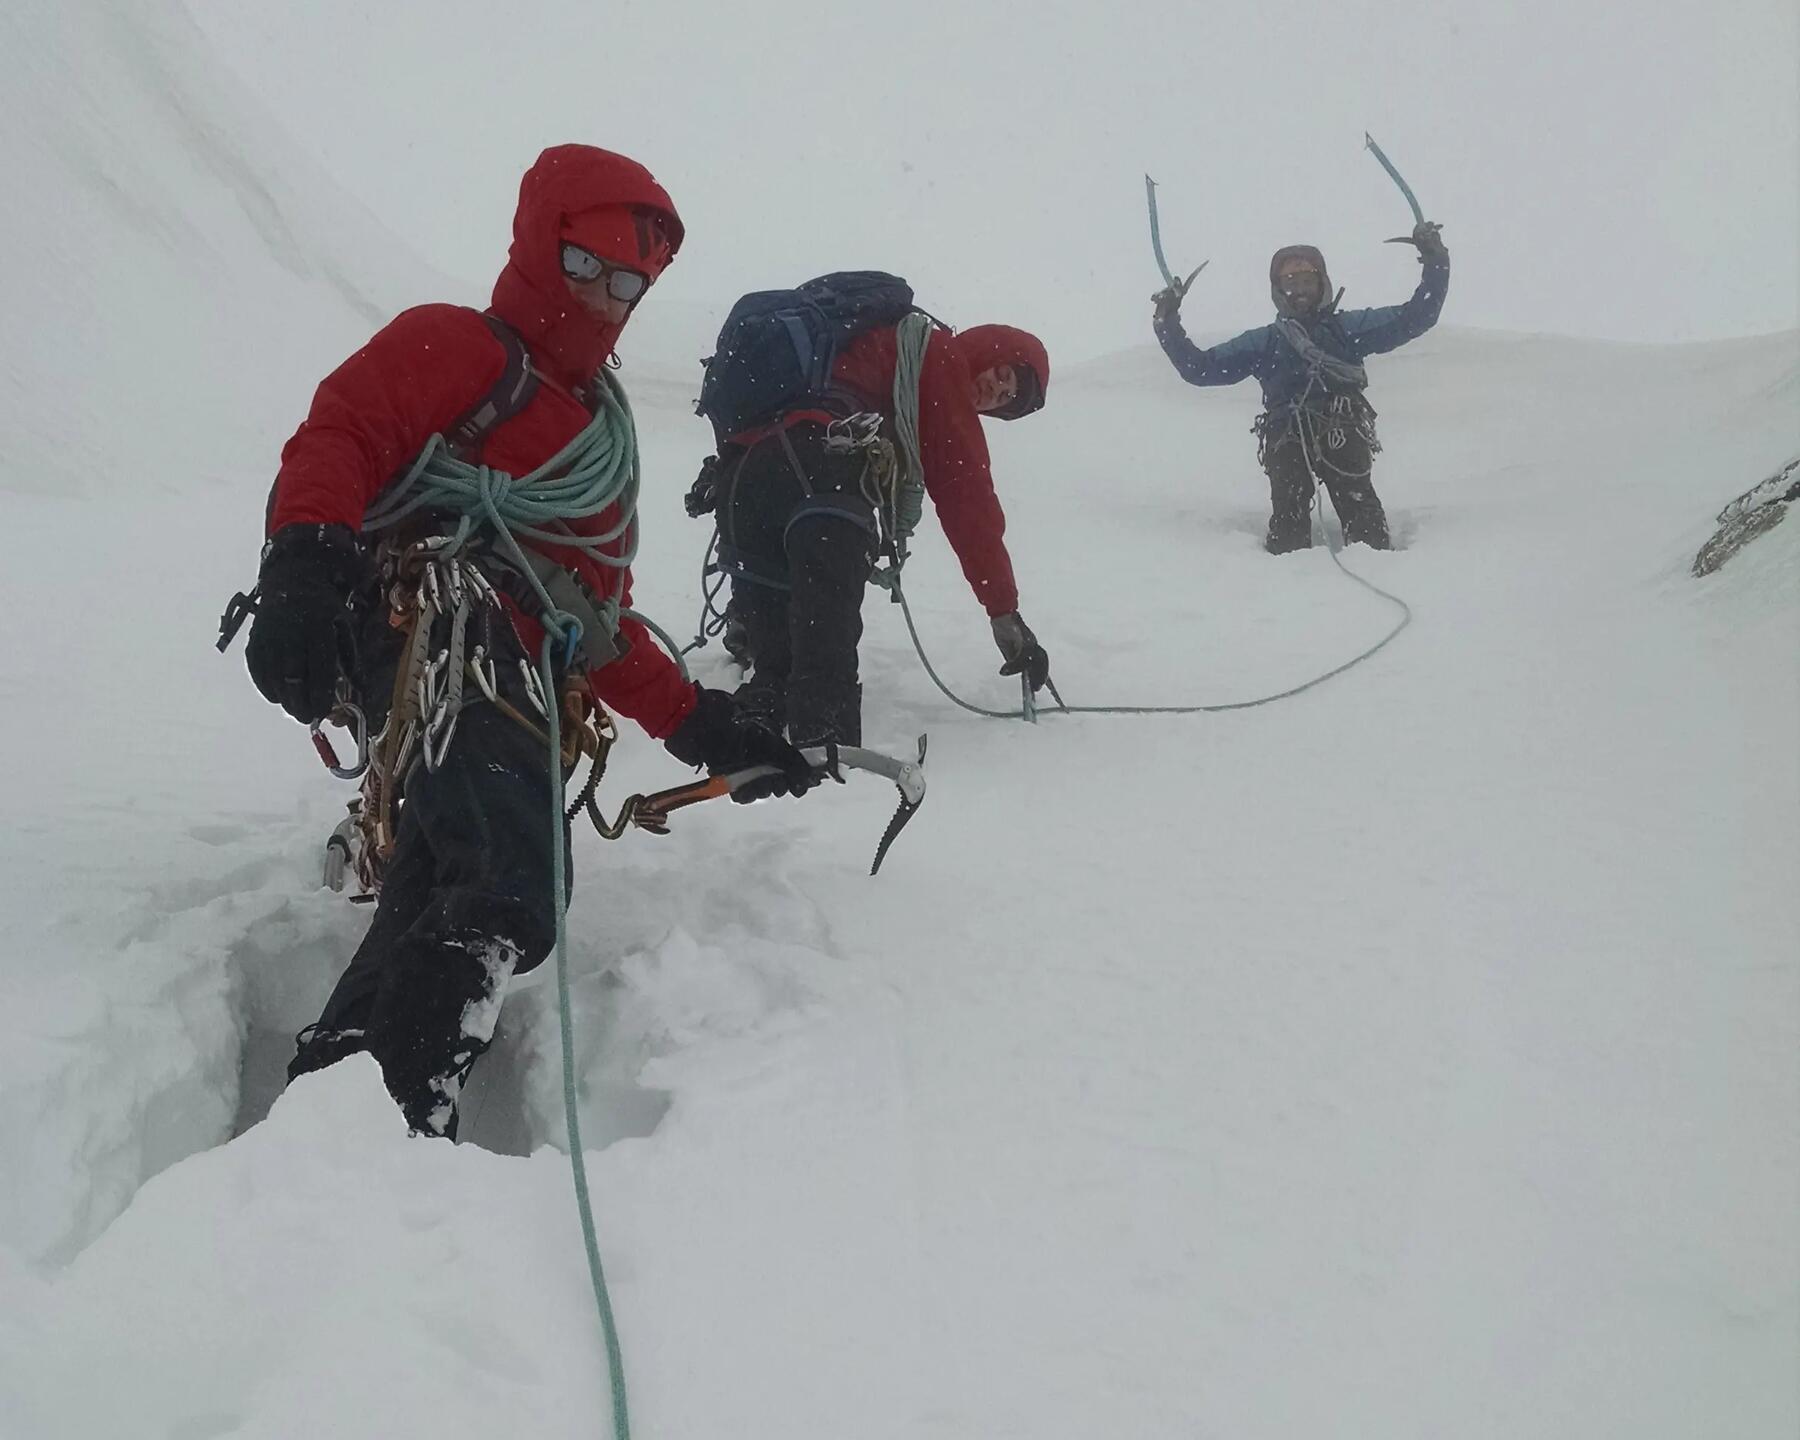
pixel 604 203
pixel 985 346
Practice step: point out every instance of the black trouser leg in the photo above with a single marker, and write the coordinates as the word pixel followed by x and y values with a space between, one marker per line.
pixel 764 612
pixel 343 1025
pixel 797 518
pixel 1290 497
pixel 829 556
pixel 467 903
pixel 1348 480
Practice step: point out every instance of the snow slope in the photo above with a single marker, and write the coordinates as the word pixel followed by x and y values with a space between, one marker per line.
pixel 1419 1056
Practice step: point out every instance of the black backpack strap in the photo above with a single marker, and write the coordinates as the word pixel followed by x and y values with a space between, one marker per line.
pixel 508 395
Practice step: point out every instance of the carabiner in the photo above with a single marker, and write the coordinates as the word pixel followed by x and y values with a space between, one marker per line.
pixel 358 724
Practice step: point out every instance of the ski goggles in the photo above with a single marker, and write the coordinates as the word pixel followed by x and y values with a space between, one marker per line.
pixel 584 267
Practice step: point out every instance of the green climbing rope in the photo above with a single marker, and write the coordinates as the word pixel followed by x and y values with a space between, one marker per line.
pixel 615 1360
pixel 1405 619
pixel 595 470
pixel 598 468
pixel 911 336
pixel 1308 446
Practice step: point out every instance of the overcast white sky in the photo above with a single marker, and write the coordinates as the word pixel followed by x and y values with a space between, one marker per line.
pixel 1609 169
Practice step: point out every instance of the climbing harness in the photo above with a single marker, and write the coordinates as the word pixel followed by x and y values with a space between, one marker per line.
pixel 891 483
pixel 1341 415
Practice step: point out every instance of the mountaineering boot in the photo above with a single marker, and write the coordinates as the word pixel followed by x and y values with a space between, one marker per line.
pixel 316 1047
pixel 428 1028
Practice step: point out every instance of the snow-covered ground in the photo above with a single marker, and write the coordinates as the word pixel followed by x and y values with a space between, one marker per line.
pixel 1420 1056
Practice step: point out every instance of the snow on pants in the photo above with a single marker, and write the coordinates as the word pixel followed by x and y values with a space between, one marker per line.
pixel 799 538
pixel 1345 473
pixel 466 903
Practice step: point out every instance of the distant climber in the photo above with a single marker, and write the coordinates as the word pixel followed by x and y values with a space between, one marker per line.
pixel 1317 425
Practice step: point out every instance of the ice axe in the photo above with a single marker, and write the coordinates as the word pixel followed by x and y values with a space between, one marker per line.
pixel 651 812
pixel 1405 189
pixel 1180 287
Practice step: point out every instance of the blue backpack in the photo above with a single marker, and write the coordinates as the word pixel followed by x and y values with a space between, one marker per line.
pixel 777 347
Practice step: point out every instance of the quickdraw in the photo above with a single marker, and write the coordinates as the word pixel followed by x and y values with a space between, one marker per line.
pixel 882 485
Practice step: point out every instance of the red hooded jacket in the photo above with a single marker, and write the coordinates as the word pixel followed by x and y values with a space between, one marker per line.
pixel 423 372
pixel 952 450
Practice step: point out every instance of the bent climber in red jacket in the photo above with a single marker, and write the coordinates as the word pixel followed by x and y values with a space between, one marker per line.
pixel 466 898
pixel 799 532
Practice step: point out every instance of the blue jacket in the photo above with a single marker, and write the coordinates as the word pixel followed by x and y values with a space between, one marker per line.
pixel 1349 335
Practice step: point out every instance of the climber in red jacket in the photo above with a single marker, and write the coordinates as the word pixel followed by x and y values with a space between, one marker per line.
pixel 798 526
pixel 467 896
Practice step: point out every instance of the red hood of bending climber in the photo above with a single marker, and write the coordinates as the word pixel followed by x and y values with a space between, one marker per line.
pixel 985 346
pixel 952 449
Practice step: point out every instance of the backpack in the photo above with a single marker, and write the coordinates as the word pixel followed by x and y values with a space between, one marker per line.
pixel 777 348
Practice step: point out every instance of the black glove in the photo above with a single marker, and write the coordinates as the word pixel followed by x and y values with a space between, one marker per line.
pixel 722 737
pixel 1021 651
pixel 1168 299
pixel 301 639
pixel 703 495
pixel 1427 235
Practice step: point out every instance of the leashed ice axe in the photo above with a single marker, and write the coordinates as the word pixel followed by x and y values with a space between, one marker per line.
pixel 1180 287
pixel 1405 189
pixel 651 812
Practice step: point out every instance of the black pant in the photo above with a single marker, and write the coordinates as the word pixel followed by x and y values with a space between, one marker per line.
pixel 799 538
pixel 466 902
pixel 1345 473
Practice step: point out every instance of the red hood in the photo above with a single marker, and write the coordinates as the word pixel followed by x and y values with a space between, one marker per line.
pixel 985 346
pixel 531 294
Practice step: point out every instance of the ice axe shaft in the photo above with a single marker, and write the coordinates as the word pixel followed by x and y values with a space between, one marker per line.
pixel 908 775
pixel 1397 178
pixel 1162 263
